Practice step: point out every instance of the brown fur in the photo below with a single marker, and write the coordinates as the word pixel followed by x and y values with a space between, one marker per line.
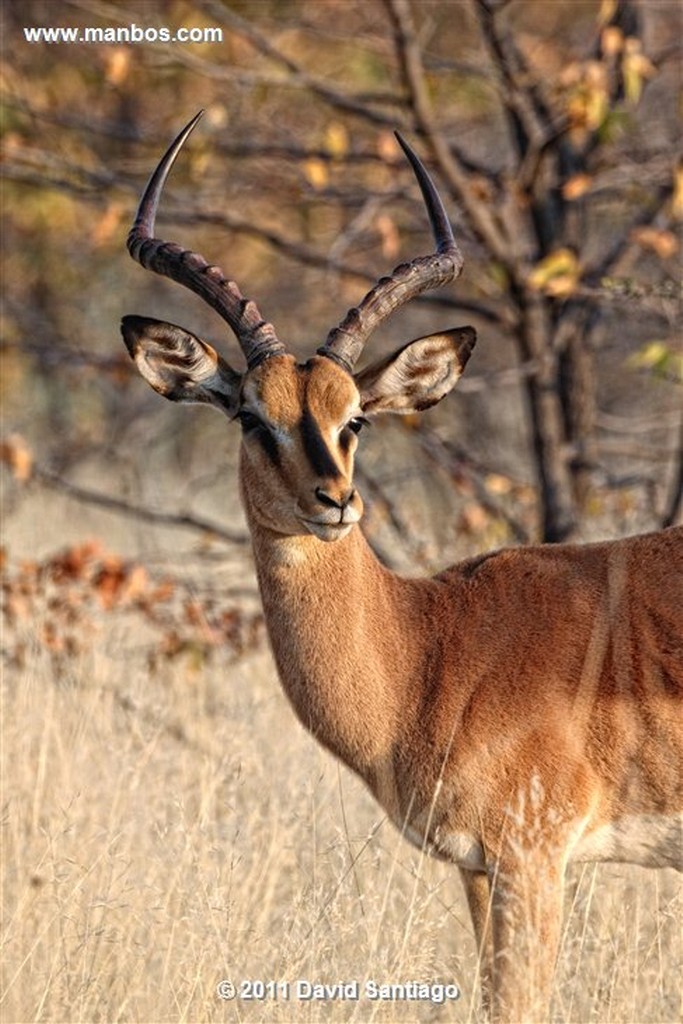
pixel 524 703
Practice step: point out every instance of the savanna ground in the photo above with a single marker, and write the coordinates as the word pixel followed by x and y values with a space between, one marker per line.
pixel 166 823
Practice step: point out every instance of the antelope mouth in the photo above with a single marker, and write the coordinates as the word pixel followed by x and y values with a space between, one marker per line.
pixel 327 531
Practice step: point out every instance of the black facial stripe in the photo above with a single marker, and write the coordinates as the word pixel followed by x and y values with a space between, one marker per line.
pixel 317 452
pixel 268 443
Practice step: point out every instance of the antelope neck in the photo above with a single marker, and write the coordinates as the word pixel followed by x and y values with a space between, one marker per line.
pixel 333 617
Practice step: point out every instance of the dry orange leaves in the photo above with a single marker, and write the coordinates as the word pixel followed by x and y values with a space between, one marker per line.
pixel 61 603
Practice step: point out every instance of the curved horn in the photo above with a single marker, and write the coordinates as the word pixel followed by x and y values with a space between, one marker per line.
pixel 255 335
pixel 345 343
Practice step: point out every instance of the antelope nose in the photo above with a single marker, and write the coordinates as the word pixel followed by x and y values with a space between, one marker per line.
pixel 340 502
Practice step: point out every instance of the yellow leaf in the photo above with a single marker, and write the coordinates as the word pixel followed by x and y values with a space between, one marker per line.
pixel 108 223
pixel 588 95
pixel 611 41
pixel 16 454
pixel 217 115
pixel 649 355
pixel 474 518
pixel 337 140
pixel 635 68
pixel 387 147
pixel 596 95
pixel 388 232
pixel 496 483
pixel 316 173
pixel 659 357
pixel 663 243
pixel 576 186
pixel 557 274
pixel 570 74
pixel 118 64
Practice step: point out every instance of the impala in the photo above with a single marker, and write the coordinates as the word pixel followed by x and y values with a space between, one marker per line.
pixel 517 712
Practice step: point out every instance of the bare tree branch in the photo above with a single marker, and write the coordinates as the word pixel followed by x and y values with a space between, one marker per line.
pixel 240 148
pixel 311 257
pixel 530 118
pixel 459 465
pixel 338 100
pixel 139 512
pixel 478 212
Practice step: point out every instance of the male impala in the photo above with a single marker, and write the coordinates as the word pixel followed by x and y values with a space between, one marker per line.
pixel 519 711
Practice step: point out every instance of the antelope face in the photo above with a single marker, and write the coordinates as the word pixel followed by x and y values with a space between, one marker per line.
pixel 299 437
pixel 299 422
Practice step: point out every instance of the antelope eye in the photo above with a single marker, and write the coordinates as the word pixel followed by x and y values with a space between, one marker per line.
pixel 357 424
pixel 248 421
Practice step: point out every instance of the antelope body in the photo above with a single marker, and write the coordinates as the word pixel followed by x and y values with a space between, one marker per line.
pixel 517 712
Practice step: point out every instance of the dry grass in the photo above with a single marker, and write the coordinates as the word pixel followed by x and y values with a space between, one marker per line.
pixel 163 830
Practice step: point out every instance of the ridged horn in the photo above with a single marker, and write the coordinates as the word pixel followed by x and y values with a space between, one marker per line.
pixel 256 336
pixel 345 342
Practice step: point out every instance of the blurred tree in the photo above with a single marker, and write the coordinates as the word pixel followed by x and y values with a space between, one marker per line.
pixel 534 220
pixel 552 129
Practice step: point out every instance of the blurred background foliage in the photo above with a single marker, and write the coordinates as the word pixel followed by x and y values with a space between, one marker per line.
pixel 552 131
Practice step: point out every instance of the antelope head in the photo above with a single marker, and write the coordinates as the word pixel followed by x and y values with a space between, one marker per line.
pixel 300 422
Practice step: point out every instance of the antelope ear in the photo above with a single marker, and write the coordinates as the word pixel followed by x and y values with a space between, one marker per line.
pixel 179 365
pixel 417 376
